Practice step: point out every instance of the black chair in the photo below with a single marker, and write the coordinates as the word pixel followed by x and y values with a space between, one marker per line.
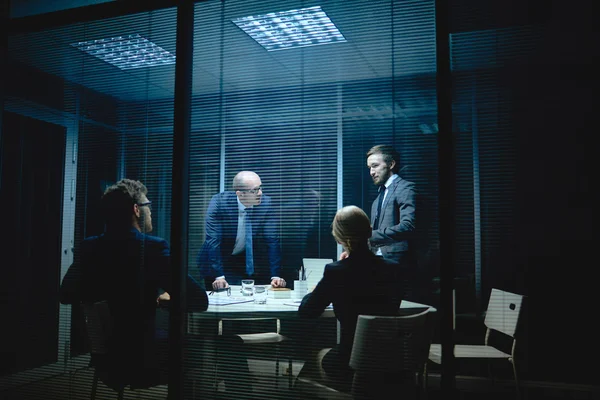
pixel 99 326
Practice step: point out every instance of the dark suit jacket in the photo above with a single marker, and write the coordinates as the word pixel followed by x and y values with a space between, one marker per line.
pixel 126 269
pixel 360 284
pixel 215 259
pixel 396 222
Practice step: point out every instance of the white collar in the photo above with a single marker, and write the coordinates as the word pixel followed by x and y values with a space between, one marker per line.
pixel 390 180
pixel 241 207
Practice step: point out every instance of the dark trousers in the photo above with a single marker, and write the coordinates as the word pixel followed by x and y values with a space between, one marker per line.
pixel 337 370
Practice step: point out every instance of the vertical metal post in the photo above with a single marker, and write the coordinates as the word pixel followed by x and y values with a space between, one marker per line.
pixel 340 168
pixel 447 192
pixel 222 120
pixel 476 198
pixel 4 13
pixel 180 193
pixel 340 152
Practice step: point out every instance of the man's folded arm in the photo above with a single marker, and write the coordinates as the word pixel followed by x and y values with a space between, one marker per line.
pixel 405 228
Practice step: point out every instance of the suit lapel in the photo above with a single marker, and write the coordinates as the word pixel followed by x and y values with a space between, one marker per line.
pixel 231 212
pixel 374 210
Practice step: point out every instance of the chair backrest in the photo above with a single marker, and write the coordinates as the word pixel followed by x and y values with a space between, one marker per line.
pixel 503 311
pixel 392 344
pixel 98 324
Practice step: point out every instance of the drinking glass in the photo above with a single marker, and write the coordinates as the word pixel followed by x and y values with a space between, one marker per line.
pixel 260 295
pixel 247 287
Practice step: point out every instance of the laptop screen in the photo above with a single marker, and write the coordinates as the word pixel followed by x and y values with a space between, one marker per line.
pixel 313 270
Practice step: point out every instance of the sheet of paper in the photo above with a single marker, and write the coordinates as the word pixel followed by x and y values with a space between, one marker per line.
pixel 223 301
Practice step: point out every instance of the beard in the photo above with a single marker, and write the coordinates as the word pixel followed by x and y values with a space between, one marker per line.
pixel 146 224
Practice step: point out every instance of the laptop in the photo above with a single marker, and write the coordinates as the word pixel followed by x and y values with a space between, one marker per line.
pixel 313 270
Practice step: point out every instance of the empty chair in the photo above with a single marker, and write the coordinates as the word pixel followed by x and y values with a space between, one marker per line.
pixel 502 315
pixel 258 343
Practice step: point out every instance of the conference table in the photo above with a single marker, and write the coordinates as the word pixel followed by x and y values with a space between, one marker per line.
pixel 236 306
pixel 306 334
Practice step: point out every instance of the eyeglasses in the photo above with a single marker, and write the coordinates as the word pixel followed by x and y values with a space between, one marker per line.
pixel 146 204
pixel 252 191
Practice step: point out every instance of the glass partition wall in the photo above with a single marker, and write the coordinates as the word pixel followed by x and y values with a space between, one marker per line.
pixel 80 114
pixel 302 113
pixel 303 118
pixel 90 103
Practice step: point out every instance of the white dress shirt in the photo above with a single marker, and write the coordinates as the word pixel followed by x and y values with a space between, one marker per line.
pixel 240 239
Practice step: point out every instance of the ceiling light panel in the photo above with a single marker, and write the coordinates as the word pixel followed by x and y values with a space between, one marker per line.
pixel 127 52
pixel 290 29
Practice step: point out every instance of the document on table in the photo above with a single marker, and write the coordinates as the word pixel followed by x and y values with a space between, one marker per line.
pixel 223 301
pixel 296 303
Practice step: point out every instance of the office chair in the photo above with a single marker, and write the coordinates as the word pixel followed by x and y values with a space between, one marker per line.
pixel 98 324
pixel 388 347
pixel 502 315
pixel 389 355
pixel 260 341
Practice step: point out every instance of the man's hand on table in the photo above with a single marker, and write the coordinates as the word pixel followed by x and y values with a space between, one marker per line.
pixel 278 283
pixel 220 283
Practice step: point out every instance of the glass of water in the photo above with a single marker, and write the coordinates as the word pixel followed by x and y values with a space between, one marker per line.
pixel 260 295
pixel 247 287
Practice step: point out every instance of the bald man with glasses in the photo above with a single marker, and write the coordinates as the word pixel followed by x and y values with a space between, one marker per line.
pixel 241 236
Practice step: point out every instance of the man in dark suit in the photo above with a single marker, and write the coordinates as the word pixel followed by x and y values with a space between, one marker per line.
pixel 393 214
pixel 241 236
pixel 129 269
pixel 393 211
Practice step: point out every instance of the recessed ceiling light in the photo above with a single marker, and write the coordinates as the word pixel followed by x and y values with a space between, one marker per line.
pixel 289 29
pixel 127 51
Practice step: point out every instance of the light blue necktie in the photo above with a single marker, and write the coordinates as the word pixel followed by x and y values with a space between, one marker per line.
pixel 249 252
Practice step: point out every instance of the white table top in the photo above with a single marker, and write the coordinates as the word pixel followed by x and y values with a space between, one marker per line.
pixel 283 307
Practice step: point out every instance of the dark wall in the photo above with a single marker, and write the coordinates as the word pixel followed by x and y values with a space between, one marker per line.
pixel 96 170
pixel 31 182
pixel 557 198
